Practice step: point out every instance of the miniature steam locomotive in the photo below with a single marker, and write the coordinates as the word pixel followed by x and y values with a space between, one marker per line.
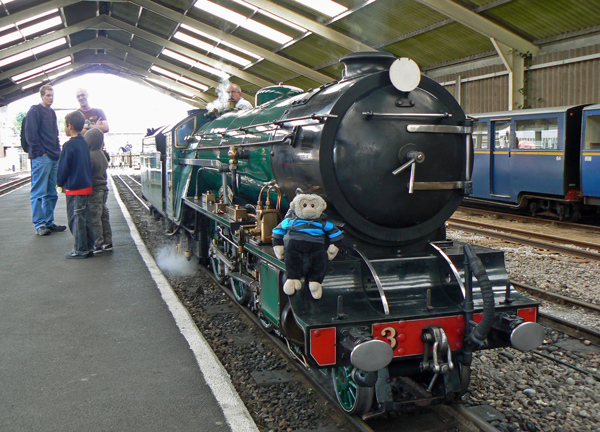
pixel 390 151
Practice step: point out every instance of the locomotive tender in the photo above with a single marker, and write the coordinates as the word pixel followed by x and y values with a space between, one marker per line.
pixel 541 161
pixel 391 153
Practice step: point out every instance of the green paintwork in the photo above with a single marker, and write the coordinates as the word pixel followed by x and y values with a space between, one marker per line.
pixel 269 296
pixel 253 172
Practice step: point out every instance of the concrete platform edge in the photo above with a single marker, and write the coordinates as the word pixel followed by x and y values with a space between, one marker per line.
pixel 216 376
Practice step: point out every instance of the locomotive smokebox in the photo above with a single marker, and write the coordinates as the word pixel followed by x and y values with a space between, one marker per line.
pixel 372 130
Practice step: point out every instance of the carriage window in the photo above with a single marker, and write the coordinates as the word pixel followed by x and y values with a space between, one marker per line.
pixel 502 134
pixel 480 135
pixel 537 134
pixel 592 132
pixel 183 131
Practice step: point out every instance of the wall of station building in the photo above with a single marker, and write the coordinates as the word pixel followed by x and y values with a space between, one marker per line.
pixel 557 78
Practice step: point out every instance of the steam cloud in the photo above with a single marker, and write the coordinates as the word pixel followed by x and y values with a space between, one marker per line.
pixel 222 101
pixel 173 264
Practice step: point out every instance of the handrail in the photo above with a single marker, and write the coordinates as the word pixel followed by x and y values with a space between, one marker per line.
pixel 453 268
pixel 384 301
pixel 244 129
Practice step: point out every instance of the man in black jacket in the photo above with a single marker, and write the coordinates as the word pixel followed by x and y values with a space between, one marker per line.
pixel 41 134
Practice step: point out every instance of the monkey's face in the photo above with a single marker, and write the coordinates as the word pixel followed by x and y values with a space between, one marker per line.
pixel 309 206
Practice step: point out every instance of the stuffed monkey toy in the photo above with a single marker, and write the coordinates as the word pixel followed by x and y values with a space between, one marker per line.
pixel 300 241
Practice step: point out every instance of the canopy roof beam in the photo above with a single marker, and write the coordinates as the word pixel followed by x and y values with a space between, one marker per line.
pixel 264 53
pixel 481 25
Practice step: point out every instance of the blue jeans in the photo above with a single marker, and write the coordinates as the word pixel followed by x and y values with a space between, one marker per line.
pixel 43 191
pixel 80 223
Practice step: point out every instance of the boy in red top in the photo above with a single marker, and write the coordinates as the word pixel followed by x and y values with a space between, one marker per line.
pixel 75 177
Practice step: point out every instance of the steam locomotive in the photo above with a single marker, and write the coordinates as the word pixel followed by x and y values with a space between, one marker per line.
pixel 390 151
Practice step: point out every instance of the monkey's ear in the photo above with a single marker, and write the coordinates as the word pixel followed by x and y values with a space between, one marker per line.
pixel 299 191
pixel 323 204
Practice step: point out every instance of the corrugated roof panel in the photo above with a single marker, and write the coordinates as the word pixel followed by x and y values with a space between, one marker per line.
pixel 314 51
pixel 82 36
pixel 156 24
pixel 78 12
pixel 334 70
pixel 385 20
pixel 449 42
pixel 145 46
pixel 542 19
pixel 126 11
pixel 120 36
pixel 303 82
pixel 215 20
pixel 270 71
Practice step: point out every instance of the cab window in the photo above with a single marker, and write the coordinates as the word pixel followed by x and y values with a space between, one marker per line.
pixel 184 131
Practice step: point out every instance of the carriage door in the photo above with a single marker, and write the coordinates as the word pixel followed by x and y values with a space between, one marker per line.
pixel 590 156
pixel 500 174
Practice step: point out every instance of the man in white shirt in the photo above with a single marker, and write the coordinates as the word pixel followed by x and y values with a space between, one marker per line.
pixel 235 92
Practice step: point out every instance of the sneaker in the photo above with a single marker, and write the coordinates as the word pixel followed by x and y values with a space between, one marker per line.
pixel 73 255
pixel 97 250
pixel 107 247
pixel 90 254
pixel 56 228
pixel 42 231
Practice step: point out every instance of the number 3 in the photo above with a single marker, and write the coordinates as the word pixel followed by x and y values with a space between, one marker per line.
pixel 390 334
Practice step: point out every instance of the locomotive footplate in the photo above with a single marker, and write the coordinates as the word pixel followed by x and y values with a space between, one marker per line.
pixel 351 300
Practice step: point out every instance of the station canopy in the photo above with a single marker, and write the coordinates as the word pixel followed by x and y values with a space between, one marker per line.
pixel 187 48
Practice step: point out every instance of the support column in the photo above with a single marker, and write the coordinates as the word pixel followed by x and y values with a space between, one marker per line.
pixel 515 64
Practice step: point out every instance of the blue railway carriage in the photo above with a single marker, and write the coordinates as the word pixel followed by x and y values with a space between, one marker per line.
pixel 590 156
pixel 529 160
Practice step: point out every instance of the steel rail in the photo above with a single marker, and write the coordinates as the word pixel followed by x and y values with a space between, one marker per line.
pixel 519 217
pixel 494 231
pixel 570 328
pixel 132 191
pixel 555 296
pixel 134 180
pixel 9 186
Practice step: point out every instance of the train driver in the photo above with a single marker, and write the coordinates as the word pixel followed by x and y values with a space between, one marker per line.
pixel 235 92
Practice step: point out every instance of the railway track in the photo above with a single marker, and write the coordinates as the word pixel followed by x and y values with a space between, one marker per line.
pixel 440 418
pixel 14 184
pixel 523 218
pixel 563 245
pixel 580 249
pixel 567 246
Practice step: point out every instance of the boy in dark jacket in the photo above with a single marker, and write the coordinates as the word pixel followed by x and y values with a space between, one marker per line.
pixel 100 217
pixel 75 177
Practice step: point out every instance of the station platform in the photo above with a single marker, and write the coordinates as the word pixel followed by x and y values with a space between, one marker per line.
pixel 100 344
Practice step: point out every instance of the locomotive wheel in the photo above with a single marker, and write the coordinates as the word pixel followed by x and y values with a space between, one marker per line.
pixel 464 373
pixel 240 290
pixel 354 399
pixel 265 322
pixel 218 268
pixel 465 378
